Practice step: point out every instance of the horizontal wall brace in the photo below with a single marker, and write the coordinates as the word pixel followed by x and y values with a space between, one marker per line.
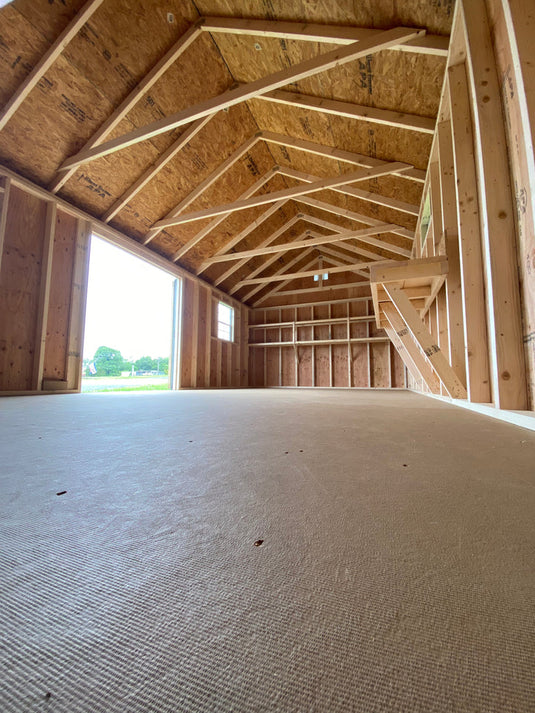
pixel 320 342
pixel 313 322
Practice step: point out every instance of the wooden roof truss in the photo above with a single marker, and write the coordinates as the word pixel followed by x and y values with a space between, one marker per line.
pixel 262 256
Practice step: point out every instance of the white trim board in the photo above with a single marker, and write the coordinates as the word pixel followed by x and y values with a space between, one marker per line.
pixel 524 419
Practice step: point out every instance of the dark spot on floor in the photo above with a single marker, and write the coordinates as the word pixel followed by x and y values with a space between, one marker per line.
pixel 258 543
pixel 61 492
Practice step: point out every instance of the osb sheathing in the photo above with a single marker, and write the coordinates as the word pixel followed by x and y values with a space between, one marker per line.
pixel 122 42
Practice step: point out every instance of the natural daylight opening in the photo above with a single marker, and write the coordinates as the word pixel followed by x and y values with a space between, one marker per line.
pixel 225 322
pixel 130 329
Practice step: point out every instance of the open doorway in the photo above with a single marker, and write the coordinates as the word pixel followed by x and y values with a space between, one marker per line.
pixel 130 325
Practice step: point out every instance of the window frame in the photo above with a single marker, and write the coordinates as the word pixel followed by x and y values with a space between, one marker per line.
pixel 229 325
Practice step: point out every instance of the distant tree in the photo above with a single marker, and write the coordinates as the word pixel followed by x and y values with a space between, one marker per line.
pixel 145 363
pixel 127 366
pixel 108 362
pixel 164 365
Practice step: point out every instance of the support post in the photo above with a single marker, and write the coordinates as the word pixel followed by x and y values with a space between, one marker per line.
pixel 78 306
pixel 508 370
pixel 44 297
pixel 454 290
pixel 473 287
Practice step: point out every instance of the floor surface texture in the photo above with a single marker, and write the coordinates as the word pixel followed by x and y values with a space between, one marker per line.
pixel 396 571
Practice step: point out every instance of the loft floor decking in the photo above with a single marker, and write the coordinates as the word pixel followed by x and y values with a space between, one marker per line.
pixel 395 572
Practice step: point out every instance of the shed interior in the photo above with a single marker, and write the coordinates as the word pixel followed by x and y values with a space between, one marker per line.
pixel 355 180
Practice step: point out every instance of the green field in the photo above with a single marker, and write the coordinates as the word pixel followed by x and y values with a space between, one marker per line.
pixel 99 384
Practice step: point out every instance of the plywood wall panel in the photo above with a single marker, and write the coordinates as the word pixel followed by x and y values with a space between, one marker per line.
pixel 288 366
pixel 380 362
pixel 322 354
pixel 57 334
pixel 398 369
pixel 256 367
pixel 272 367
pixel 202 351
pixel 186 328
pixel 322 366
pixel 360 367
pixel 318 364
pixel 339 365
pixel 202 342
pixel 20 278
pixel 214 367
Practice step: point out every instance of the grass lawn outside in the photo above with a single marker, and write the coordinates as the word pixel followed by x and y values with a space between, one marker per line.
pixel 96 384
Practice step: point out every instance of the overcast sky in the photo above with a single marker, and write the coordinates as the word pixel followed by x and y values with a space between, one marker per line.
pixel 129 304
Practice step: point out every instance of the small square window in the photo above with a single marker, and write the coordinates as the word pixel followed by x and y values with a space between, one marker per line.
pixel 225 322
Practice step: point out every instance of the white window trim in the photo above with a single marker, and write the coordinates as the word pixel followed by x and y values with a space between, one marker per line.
pixel 231 325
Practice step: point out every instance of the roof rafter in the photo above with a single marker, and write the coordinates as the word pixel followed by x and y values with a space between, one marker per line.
pixel 282 269
pixel 296 245
pixel 367 196
pixel 285 268
pixel 361 252
pixel 361 112
pixel 328 151
pixel 340 257
pixel 245 232
pixel 182 140
pixel 366 220
pixel 335 153
pixel 220 218
pixel 336 34
pixel 274 258
pixel 268 241
pixel 352 177
pixel 308 68
pixel 280 285
pixel 47 60
pixel 365 239
pixel 315 289
pixel 198 190
pixel 352 215
pixel 156 167
pixel 180 46
pixel 309 273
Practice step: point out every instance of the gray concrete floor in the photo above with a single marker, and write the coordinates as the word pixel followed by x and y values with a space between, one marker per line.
pixel 395 574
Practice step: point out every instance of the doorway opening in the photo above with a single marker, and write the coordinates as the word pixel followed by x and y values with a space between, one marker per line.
pixel 131 323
